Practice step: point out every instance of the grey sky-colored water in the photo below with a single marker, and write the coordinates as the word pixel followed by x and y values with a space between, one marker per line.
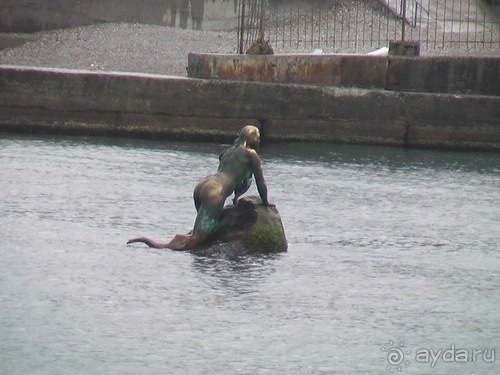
pixel 391 252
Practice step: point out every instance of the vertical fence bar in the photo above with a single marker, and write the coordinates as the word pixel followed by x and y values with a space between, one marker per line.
pixel 476 21
pixel 372 23
pixel 262 20
pixel 333 37
pixel 435 25
pixel 327 24
pixel 492 28
pixel 242 25
pixel 320 20
pixel 468 25
pixel 444 23
pixel 312 25
pixel 484 29
pixel 356 37
pixel 349 23
pixel 364 24
pixel 460 25
pixel 403 23
pixel 452 21
pixel 297 20
pixel 379 31
pixel 428 23
pixel 387 26
pixel 491 31
pixel 339 37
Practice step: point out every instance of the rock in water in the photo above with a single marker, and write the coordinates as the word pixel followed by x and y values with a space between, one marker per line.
pixel 247 228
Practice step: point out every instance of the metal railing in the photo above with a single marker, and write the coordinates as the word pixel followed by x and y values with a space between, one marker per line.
pixel 359 26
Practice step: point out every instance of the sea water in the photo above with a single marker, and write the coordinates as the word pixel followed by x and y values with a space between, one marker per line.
pixel 393 262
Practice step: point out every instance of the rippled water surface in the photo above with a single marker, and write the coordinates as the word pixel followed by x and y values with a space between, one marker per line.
pixel 392 254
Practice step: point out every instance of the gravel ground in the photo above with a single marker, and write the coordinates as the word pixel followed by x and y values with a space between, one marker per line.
pixel 118 47
pixel 134 48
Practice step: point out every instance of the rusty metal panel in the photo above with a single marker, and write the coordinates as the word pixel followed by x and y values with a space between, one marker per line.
pixel 362 71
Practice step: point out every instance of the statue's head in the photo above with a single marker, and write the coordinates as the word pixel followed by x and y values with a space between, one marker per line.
pixel 249 135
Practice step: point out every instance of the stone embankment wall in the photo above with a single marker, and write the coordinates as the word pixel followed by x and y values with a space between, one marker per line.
pixel 354 99
pixel 28 16
pixel 432 74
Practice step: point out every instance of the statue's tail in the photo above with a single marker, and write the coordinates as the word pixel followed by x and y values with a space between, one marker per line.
pixel 149 242
pixel 180 242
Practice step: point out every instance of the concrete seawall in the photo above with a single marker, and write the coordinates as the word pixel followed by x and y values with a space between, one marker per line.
pixel 431 74
pixel 163 107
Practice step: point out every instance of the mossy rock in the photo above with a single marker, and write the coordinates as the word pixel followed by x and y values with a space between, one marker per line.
pixel 266 237
pixel 247 228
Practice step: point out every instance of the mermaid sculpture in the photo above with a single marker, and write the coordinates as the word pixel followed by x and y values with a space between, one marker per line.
pixel 236 167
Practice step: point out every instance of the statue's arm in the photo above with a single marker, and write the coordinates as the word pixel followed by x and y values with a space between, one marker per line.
pixel 259 177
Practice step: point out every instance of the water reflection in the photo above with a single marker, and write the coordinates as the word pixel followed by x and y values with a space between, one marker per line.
pixel 236 276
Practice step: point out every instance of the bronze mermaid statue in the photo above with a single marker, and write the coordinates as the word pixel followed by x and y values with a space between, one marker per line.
pixel 234 175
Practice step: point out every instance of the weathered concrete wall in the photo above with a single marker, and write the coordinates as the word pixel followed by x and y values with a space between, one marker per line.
pixel 35 15
pixel 327 70
pixel 162 107
pixel 465 75
pixel 28 16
